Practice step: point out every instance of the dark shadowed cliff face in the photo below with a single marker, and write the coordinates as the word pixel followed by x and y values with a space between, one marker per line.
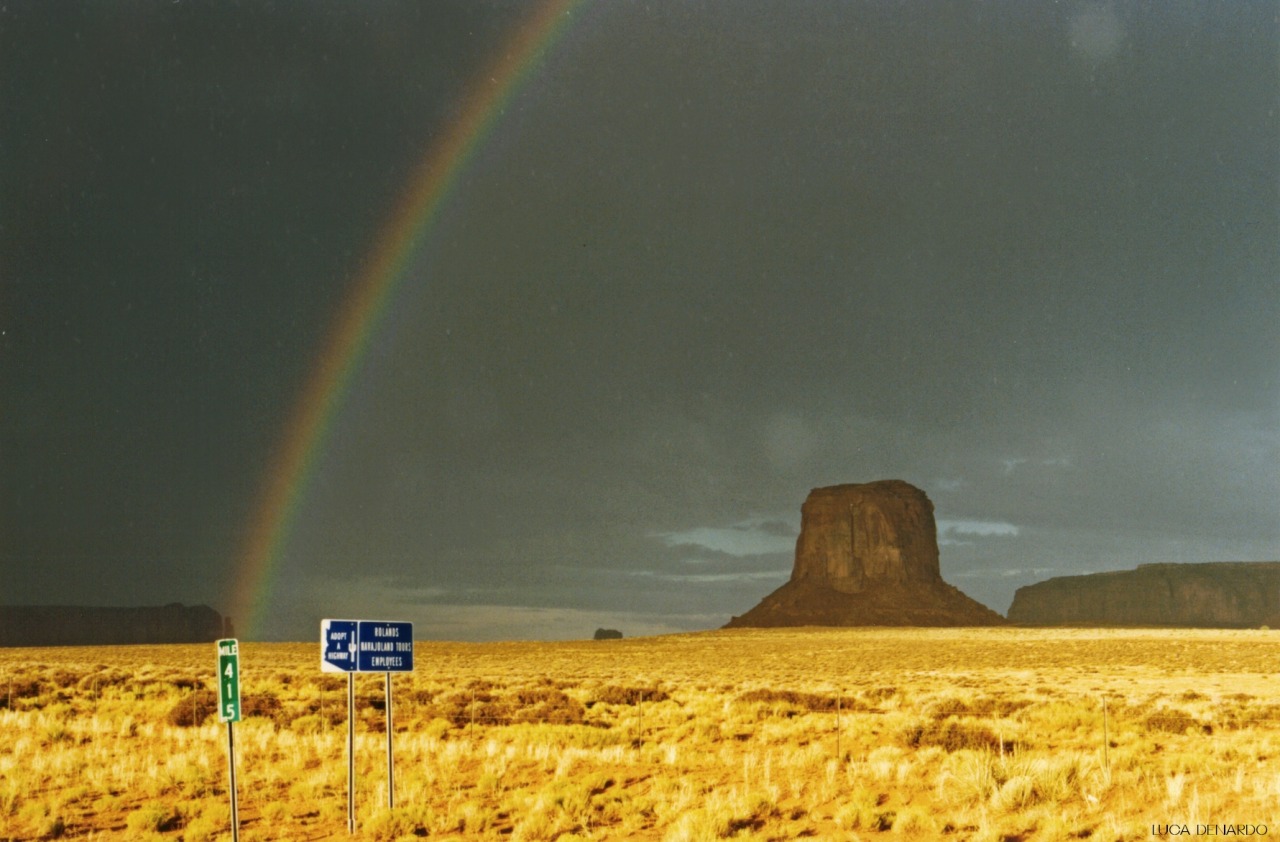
pixel 63 625
pixel 867 555
pixel 1219 594
pixel 855 536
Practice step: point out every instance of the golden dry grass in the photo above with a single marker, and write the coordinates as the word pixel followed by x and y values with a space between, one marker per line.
pixel 956 734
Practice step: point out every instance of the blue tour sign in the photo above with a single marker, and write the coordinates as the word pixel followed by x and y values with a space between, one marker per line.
pixel 385 647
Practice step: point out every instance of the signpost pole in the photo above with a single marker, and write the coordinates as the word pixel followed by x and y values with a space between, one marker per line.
pixel 231 765
pixel 391 772
pixel 351 752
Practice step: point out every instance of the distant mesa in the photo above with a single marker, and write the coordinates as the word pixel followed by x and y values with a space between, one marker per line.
pixel 74 625
pixel 608 634
pixel 1225 594
pixel 867 555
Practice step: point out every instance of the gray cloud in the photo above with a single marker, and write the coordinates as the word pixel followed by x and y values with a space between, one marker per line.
pixel 1023 256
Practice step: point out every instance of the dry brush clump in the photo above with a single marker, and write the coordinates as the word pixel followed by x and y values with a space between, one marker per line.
pixel 194 709
pixel 857 734
pixel 618 695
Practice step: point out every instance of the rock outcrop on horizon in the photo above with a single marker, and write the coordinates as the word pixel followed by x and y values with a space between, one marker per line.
pixel 1226 594
pixel 73 625
pixel 867 555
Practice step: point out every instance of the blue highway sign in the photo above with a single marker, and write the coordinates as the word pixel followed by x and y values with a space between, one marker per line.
pixel 385 647
pixel 365 646
pixel 338 645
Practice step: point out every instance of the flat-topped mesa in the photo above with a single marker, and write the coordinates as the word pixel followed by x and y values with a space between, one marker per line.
pixel 74 625
pixel 1222 594
pixel 855 535
pixel 867 555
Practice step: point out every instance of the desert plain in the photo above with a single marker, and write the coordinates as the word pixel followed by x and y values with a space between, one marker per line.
pixel 997 734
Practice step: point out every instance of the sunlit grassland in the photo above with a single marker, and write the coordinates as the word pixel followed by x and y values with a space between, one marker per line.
pixel 964 734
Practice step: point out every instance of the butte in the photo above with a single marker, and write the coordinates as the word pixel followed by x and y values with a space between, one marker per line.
pixel 867 555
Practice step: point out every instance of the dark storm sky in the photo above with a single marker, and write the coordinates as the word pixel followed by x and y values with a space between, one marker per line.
pixel 1024 255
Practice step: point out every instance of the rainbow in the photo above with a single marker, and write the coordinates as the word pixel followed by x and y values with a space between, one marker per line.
pixel 385 268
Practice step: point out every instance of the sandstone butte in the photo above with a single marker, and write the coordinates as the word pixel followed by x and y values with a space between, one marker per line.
pixel 1225 594
pixel 75 625
pixel 867 555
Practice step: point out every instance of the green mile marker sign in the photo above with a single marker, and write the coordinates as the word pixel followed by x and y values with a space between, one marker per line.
pixel 228 681
pixel 229 712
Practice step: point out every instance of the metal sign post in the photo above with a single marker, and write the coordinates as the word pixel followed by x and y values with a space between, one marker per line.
pixel 352 646
pixel 338 654
pixel 229 712
pixel 351 752
pixel 391 771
